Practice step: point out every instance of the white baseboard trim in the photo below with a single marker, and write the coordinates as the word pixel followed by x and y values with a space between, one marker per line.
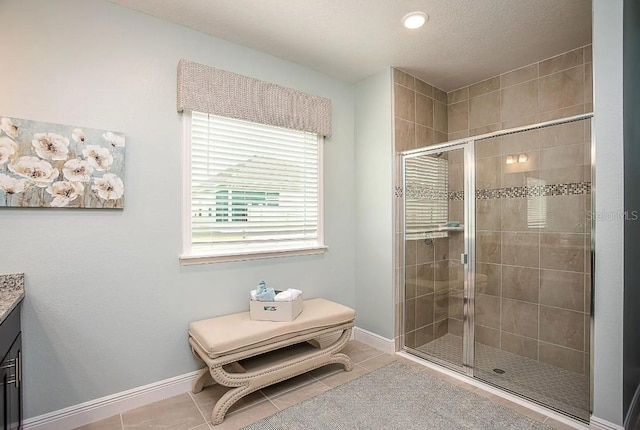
pixel 375 340
pixel 600 424
pixel 105 407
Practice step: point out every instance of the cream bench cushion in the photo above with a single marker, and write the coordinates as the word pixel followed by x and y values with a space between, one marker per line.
pixel 238 332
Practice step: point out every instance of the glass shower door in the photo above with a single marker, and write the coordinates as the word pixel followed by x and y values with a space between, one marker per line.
pixel 434 225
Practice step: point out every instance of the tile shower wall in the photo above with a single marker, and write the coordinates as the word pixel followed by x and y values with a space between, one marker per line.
pixel 420 119
pixel 529 282
pixel 532 280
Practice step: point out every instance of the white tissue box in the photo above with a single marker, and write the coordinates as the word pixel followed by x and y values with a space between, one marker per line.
pixel 276 311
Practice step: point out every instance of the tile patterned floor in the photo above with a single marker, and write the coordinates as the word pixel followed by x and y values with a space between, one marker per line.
pixel 558 388
pixel 192 411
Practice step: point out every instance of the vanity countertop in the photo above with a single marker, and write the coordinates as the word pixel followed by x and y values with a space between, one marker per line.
pixel 11 293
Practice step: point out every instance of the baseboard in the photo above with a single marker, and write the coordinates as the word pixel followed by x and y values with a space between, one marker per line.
pixel 632 420
pixel 600 424
pixel 374 340
pixel 98 409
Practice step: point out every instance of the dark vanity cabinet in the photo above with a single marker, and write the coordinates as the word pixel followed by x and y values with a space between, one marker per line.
pixel 11 371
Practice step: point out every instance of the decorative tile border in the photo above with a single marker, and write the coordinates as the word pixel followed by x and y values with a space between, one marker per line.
pixel 570 189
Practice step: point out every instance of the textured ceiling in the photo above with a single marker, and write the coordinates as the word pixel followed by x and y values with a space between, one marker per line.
pixel 464 41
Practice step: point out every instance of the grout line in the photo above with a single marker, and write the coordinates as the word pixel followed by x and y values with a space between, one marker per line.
pixel 121 422
pixel 197 406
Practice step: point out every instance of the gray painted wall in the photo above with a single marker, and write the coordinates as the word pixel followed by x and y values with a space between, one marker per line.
pixel 609 201
pixel 631 201
pixel 107 303
pixel 374 204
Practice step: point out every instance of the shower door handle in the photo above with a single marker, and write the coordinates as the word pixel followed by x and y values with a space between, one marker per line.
pixel 463 258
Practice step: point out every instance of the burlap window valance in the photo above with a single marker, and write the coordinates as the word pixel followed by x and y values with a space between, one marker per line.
pixel 218 92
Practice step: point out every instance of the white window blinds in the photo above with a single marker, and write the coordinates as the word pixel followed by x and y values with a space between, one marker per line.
pixel 427 197
pixel 254 187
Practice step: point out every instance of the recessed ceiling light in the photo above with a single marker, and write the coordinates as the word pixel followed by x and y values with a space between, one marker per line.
pixel 414 20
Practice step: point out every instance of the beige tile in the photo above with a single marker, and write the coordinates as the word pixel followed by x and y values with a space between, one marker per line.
pixel 111 423
pixel 439 95
pixel 488 247
pixel 562 251
pixel 588 54
pixel 405 135
pixel 378 362
pixel 425 279
pixel 456 176
pixel 571 133
pixel 458 95
pixel 424 335
pixel 300 393
pixel 565 214
pixel 588 83
pixel 424 88
pixel 456 212
pixel 424 110
pixel 402 78
pixel 520 249
pixel 562 62
pixel 287 385
pixel 488 147
pixel 562 289
pixel 564 358
pixel 207 398
pixel 534 415
pixel 562 113
pixel 521 121
pixel 455 305
pixel 516 212
pixel 441 305
pixel 410 339
pixel 558 425
pixel 521 174
pixel 457 135
pixel 456 242
pixel 479 131
pixel 519 100
pixel 484 110
pixel 425 251
pixel 404 103
pixel 441 137
pixel 246 416
pixel 440 328
pixel 458 116
pixel 488 173
pixel 519 76
pixel 488 214
pixel 177 412
pixel 562 164
pixel 519 318
pixel 441 246
pixel 587 293
pixel 521 345
pixel 562 89
pixel 489 279
pixel 562 327
pixel 410 281
pixel 483 87
pixel 455 327
pixel 425 136
pixel 440 122
pixel 487 311
pixel 410 252
pixel 487 336
pixel 517 143
pixel 424 310
pixel 521 283
pixel 359 351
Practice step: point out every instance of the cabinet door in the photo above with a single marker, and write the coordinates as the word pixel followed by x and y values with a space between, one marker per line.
pixel 14 386
pixel 5 378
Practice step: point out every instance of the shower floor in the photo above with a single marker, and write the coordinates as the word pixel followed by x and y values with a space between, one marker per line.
pixel 557 388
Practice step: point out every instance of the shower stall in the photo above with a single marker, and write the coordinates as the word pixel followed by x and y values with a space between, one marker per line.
pixel 497 259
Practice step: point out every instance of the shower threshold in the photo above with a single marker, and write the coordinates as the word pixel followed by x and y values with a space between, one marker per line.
pixel 557 388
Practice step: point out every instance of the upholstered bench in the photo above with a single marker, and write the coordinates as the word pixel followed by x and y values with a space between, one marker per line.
pixel 248 355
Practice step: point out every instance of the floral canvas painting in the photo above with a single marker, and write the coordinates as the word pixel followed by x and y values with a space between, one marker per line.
pixel 53 165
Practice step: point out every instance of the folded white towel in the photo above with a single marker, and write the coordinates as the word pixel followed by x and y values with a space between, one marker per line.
pixel 253 295
pixel 288 295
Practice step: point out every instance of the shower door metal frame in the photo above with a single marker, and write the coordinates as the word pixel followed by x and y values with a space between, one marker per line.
pixel 467 259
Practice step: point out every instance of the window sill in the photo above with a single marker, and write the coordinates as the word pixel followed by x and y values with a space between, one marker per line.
pixel 188 260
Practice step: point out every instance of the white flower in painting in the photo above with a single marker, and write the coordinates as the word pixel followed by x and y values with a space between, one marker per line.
pixel 9 127
pixel 78 135
pixel 99 158
pixel 64 192
pixel 114 139
pixel 109 187
pixel 11 185
pixel 7 148
pixel 38 172
pixel 77 170
pixel 50 146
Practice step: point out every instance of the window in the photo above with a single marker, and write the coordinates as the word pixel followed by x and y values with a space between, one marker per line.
pixel 254 190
